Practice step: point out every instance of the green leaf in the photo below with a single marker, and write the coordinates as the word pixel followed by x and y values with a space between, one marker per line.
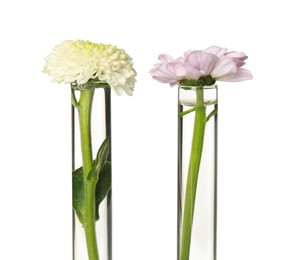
pixel 211 114
pixel 99 176
pixel 78 196
pixel 103 186
pixel 100 160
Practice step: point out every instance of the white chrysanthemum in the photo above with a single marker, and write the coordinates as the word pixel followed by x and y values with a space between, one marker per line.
pixel 79 61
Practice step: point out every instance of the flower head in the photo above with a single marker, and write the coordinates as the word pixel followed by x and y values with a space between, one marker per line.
pixel 80 61
pixel 201 67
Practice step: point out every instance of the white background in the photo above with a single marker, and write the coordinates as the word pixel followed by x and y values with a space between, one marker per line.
pixel 257 127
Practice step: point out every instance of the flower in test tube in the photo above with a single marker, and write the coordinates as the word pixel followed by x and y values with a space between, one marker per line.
pixel 202 66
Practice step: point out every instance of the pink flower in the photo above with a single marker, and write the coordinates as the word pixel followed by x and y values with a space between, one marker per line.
pixel 214 62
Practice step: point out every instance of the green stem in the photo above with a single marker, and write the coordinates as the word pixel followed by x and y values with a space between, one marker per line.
pixel 193 172
pixel 85 108
pixel 187 111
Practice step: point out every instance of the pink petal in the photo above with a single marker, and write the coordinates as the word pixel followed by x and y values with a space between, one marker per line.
pixel 239 63
pixel 202 61
pixel 216 50
pixel 161 73
pixel 237 55
pixel 223 67
pixel 193 58
pixel 240 75
pixel 155 68
pixel 180 59
pixel 192 73
pixel 186 53
pixel 165 58
pixel 172 84
pixel 177 69
pixel 163 79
